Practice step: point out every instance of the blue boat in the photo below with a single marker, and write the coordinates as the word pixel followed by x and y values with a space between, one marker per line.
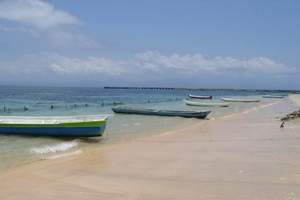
pixel 75 126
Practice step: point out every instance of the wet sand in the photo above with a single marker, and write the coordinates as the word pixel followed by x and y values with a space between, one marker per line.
pixel 242 156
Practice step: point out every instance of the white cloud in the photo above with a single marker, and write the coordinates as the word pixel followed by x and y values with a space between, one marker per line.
pixel 156 61
pixel 143 66
pixel 44 22
pixel 36 13
pixel 90 65
pixel 55 64
pixel 61 38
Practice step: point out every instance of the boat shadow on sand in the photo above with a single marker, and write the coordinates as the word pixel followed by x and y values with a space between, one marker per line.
pixel 90 140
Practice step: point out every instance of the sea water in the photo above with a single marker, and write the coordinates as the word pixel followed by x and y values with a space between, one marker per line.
pixel 59 101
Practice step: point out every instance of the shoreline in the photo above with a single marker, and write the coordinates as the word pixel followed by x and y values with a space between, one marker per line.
pixel 132 139
pixel 87 145
pixel 111 165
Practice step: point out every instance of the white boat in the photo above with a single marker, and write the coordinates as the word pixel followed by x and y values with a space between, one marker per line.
pixel 199 97
pixel 240 100
pixel 205 103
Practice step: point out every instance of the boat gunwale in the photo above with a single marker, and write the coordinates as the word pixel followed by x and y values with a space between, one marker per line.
pixel 59 125
pixel 53 121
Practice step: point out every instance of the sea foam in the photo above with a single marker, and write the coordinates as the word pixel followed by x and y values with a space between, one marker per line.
pixel 55 148
pixel 77 152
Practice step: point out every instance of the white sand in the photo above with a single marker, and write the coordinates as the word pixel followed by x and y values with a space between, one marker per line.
pixel 295 98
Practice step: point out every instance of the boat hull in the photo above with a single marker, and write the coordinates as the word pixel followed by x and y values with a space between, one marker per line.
pixel 78 129
pixel 199 97
pixel 273 97
pixel 241 100
pixel 205 104
pixel 167 113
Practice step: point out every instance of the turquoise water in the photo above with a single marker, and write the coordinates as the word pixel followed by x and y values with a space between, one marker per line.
pixel 37 101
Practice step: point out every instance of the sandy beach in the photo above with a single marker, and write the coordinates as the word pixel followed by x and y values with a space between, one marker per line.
pixel 241 156
pixel 295 99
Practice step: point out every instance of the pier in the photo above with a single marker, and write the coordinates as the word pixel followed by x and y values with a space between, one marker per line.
pixel 141 88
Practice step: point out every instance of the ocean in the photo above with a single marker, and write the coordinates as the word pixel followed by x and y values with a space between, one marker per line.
pixel 58 101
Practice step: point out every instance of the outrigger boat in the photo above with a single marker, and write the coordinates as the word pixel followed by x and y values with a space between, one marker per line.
pixel 274 96
pixel 79 126
pixel 169 113
pixel 205 103
pixel 240 100
pixel 199 97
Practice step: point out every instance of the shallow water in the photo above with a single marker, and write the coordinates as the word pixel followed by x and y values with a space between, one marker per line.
pixel 16 150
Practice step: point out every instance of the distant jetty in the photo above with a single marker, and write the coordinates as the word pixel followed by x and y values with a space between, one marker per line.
pixel 142 88
pixel 263 91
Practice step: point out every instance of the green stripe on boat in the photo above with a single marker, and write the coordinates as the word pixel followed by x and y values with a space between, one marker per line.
pixel 59 125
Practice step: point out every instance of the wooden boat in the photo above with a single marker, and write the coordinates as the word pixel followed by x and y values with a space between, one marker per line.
pixel 79 126
pixel 199 97
pixel 240 100
pixel 170 113
pixel 205 103
pixel 274 96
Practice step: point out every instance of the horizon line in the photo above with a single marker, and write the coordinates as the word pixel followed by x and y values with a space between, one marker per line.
pixel 152 88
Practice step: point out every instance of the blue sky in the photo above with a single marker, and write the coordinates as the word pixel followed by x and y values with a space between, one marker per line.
pixel 211 44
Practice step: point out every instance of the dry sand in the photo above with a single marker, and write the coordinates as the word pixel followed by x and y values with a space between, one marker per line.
pixel 295 98
pixel 244 156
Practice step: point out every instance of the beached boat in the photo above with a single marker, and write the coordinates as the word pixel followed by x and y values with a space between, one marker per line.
pixel 205 103
pixel 81 126
pixel 273 96
pixel 199 97
pixel 240 100
pixel 170 113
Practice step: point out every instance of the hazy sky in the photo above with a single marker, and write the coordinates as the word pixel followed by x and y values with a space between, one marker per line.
pixel 180 43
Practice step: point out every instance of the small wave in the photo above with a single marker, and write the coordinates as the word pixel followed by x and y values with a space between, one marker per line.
pixel 54 148
pixel 65 155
